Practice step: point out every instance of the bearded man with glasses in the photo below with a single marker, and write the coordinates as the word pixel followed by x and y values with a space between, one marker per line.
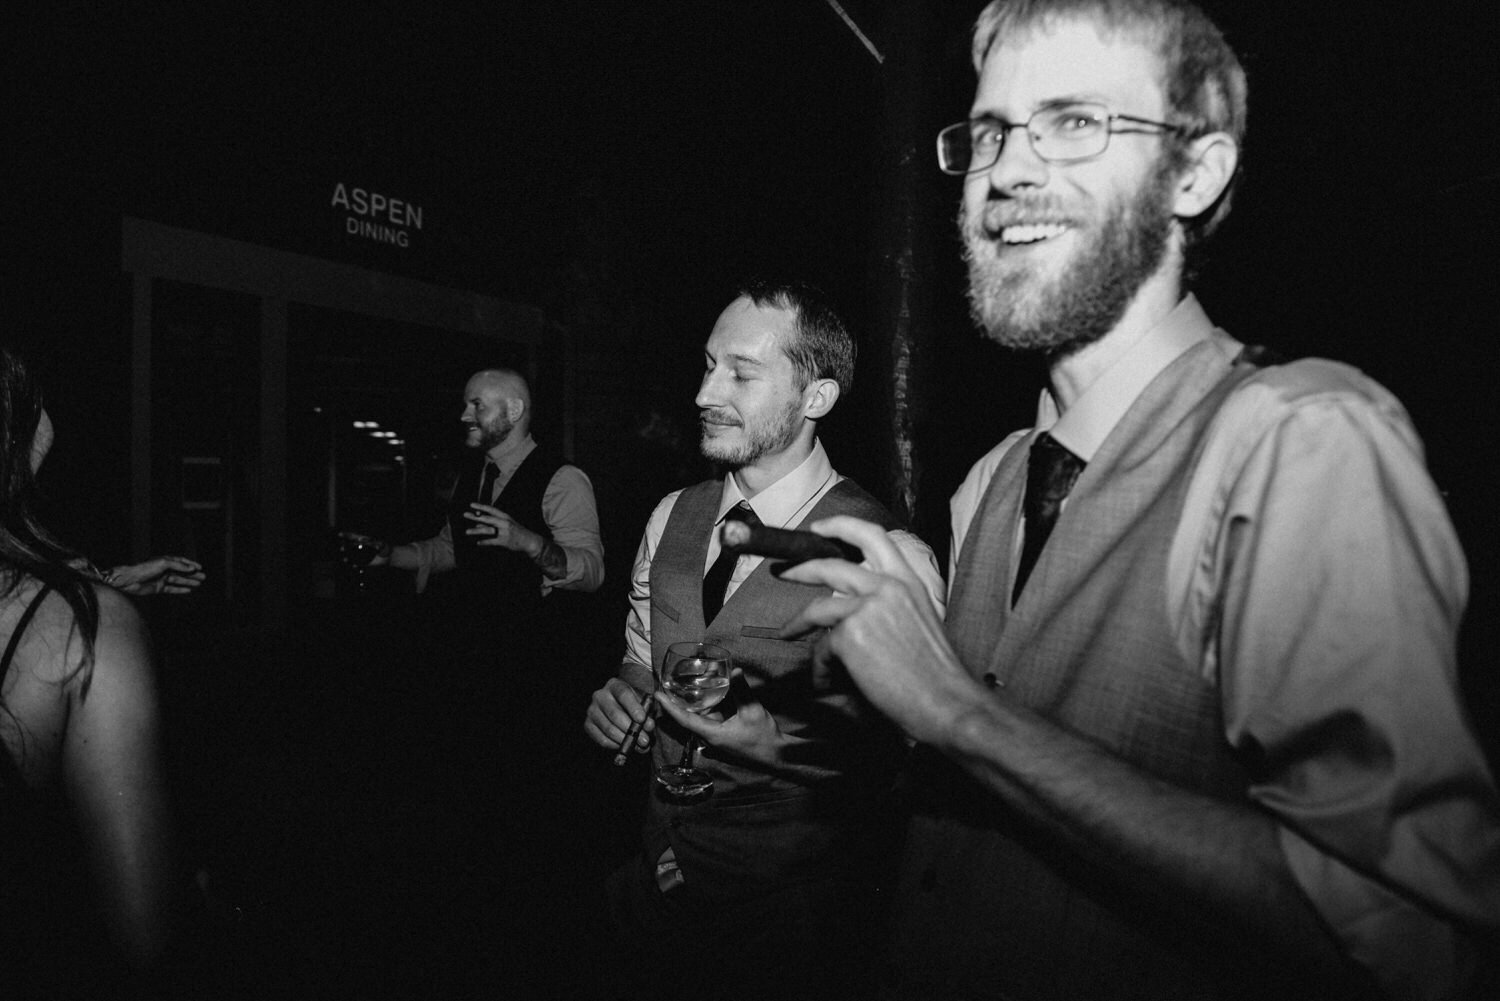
pixel 1191 727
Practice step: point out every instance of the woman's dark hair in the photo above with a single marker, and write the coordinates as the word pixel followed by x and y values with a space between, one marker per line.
pixel 26 548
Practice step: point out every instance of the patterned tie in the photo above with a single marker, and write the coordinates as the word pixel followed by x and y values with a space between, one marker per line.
pixel 716 581
pixel 1051 471
pixel 487 482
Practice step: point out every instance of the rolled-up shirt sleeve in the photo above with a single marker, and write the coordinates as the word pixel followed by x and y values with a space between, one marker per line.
pixel 638 618
pixel 924 563
pixel 434 555
pixel 573 519
pixel 1333 606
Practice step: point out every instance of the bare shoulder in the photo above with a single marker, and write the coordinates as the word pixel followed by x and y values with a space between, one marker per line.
pixel 51 650
pixel 46 650
pixel 43 671
pixel 122 673
pixel 120 622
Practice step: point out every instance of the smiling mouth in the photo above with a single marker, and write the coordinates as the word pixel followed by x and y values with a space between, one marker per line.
pixel 1030 233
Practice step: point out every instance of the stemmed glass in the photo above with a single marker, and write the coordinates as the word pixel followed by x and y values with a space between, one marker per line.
pixel 355 552
pixel 698 674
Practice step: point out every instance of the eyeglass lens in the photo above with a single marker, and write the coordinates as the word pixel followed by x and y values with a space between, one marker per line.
pixel 1067 132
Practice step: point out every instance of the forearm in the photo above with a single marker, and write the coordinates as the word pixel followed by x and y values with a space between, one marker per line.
pixel 434 555
pixel 550 558
pixel 583 569
pixel 563 567
pixel 1212 862
pixel 574 560
pixel 407 556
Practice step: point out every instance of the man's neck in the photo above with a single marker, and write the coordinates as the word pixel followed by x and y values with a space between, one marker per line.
pixel 513 443
pixel 766 470
pixel 1074 373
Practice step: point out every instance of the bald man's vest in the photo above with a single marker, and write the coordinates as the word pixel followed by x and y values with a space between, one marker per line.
pixel 498 584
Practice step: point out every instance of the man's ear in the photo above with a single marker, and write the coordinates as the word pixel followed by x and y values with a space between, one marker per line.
pixel 820 396
pixel 514 409
pixel 1212 160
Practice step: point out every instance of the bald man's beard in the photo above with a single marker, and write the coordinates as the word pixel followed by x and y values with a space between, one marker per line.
pixel 491 434
pixel 1084 299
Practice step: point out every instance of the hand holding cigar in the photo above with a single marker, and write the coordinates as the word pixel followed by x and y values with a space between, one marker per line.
pixel 623 754
pixel 791 545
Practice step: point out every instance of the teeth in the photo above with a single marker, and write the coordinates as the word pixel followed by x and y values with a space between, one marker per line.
pixel 1032 232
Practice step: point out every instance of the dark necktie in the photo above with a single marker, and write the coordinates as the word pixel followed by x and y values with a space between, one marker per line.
pixel 716 581
pixel 487 482
pixel 1051 471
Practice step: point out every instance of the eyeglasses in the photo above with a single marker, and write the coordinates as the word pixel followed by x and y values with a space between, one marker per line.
pixel 1066 133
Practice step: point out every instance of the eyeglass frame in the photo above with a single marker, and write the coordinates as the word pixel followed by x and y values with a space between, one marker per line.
pixel 1005 128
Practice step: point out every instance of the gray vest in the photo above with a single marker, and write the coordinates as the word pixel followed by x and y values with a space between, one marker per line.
pixel 1089 646
pixel 768 825
pixel 778 671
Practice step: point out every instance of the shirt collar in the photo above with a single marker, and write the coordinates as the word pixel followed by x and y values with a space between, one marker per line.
pixel 1084 426
pixel 512 458
pixel 787 498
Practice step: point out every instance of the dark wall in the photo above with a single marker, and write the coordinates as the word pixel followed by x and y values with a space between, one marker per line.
pixel 619 166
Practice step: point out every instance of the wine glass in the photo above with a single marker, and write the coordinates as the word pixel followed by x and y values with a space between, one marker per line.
pixel 698 674
pixel 355 552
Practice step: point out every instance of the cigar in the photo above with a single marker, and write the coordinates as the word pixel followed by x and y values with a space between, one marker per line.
pixel 635 731
pixel 792 545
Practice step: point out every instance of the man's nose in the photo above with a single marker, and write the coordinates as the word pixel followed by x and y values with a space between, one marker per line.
pixel 1018 165
pixel 709 394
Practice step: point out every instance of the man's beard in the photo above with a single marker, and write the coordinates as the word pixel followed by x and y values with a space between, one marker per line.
pixel 1019 309
pixel 494 434
pixel 765 437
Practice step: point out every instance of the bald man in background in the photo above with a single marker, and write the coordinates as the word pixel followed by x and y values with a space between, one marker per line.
pixel 506 621
pixel 522 523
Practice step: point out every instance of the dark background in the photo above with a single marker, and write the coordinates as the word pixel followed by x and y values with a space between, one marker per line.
pixel 618 166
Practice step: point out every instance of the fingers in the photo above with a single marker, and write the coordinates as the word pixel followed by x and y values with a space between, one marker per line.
pixel 613 711
pixel 840 575
pixel 486 513
pixel 692 722
pixel 180 575
pixel 882 562
pixel 880 552
pixel 822 613
pixel 491 522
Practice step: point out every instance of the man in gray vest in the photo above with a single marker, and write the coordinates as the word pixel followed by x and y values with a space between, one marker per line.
pixel 1192 727
pixel 758 890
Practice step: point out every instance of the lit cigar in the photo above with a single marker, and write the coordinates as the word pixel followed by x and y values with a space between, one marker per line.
pixel 635 731
pixel 792 545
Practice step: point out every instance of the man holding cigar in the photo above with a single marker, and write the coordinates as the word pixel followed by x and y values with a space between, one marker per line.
pixel 1192 726
pixel 773 866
